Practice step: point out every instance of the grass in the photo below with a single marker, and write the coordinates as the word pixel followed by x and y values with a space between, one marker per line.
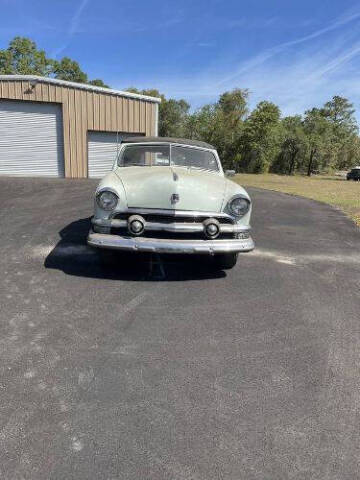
pixel 332 190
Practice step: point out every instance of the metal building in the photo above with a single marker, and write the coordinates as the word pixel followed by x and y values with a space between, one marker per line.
pixel 50 127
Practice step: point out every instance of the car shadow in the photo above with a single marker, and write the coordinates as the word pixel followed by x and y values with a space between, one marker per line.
pixel 73 256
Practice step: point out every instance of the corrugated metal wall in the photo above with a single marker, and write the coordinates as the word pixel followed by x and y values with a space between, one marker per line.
pixel 85 110
pixel 102 151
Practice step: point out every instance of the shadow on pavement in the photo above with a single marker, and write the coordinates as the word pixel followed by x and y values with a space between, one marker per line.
pixel 73 256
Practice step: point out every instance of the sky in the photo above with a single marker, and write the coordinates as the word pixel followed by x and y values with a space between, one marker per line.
pixel 297 54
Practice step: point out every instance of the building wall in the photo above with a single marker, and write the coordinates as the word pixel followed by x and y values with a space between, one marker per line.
pixel 85 110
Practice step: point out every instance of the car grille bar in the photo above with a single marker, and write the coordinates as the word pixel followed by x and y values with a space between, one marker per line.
pixel 170 229
pixel 174 216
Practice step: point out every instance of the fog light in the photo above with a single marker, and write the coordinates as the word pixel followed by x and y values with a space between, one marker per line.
pixel 136 225
pixel 211 228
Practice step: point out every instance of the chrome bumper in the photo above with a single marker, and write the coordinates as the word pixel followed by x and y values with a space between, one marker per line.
pixel 142 244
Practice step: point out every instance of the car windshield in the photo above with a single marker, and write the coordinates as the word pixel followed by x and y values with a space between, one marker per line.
pixel 194 158
pixel 162 155
pixel 145 155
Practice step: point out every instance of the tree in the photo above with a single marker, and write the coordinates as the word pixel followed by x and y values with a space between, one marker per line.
pixel 205 124
pixel 233 105
pixel 23 58
pixel 339 112
pixel 172 113
pixel 69 70
pixel 98 83
pixel 260 142
pixel 220 124
pixel 317 131
pixel 292 145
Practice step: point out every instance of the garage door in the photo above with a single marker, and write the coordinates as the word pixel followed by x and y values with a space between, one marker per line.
pixel 102 150
pixel 31 139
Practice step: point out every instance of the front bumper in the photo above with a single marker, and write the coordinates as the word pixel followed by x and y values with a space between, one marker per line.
pixel 142 244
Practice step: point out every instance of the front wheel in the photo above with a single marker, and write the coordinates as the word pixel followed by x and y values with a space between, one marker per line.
pixel 226 261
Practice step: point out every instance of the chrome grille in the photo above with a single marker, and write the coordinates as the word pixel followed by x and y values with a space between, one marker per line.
pixel 168 218
pixel 173 224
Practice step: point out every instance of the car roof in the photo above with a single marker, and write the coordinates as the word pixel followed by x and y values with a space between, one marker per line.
pixel 181 141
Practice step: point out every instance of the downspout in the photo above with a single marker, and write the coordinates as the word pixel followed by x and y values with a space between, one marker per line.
pixel 156 129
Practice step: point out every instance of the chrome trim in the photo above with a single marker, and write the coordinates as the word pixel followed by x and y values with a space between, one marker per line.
pixel 106 189
pixel 175 213
pixel 140 244
pixel 170 227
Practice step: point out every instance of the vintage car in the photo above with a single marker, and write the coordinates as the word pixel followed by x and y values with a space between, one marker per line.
pixel 170 195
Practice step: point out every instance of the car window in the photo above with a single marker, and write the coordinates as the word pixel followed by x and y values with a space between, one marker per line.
pixel 145 155
pixel 193 157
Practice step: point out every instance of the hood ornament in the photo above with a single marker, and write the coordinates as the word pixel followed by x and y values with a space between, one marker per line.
pixel 175 197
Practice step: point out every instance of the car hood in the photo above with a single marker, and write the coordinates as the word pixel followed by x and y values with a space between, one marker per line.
pixel 155 187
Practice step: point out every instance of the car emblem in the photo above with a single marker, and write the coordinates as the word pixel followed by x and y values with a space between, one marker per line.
pixel 175 197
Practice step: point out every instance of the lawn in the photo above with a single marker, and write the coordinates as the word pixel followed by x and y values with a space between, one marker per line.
pixel 332 190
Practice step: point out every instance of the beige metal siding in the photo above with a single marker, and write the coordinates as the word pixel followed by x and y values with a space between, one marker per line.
pixel 85 110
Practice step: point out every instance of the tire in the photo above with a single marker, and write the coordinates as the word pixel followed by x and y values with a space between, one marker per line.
pixel 226 261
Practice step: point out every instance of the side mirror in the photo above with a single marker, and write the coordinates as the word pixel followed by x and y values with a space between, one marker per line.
pixel 229 173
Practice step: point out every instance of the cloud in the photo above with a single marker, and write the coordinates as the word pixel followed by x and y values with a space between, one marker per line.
pixel 271 52
pixel 76 17
pixel 296 75
pixel 73 28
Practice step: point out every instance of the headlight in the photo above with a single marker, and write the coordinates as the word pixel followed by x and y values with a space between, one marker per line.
pixel 238 206
pixel 107 200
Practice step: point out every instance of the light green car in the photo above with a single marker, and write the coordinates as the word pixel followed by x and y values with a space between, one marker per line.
pixel 168 195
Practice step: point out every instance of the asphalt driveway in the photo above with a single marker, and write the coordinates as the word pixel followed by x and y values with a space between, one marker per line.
pixel 167 370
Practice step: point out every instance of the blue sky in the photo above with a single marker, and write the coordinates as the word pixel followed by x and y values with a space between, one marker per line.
pixel 295 53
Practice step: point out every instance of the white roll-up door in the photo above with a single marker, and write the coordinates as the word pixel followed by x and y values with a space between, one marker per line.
pixel 31 139
pixel 102 150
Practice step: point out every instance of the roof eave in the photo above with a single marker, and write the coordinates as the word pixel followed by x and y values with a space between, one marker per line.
pixel 81 86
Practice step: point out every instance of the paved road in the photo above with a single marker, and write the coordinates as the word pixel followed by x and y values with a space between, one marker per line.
pixel 167 370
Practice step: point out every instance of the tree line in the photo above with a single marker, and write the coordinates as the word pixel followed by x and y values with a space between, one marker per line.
pixel 257 141
pixel 22 57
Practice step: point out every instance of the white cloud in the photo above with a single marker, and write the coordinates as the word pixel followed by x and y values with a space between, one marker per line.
pixel 73 27
pixel 296 75
pixel 271 52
